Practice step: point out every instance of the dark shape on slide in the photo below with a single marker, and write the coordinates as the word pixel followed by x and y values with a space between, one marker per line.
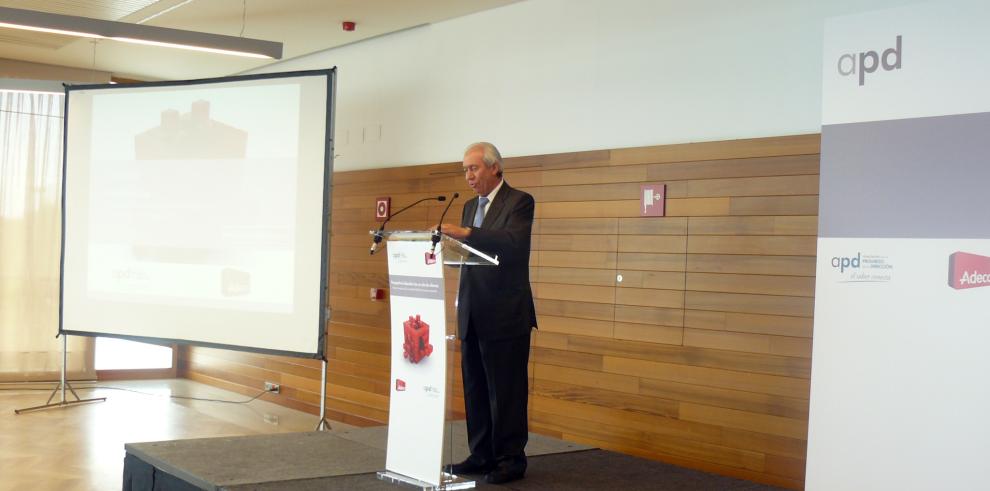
pixel 192 135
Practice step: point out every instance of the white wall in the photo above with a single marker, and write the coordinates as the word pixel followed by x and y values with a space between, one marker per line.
pixel 547 76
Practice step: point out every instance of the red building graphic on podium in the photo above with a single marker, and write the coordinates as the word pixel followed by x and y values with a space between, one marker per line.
pixel 417 340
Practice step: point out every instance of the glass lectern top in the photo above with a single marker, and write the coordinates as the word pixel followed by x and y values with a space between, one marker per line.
pixel 455 252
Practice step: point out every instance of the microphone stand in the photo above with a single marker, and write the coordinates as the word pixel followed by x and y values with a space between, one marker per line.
pixel 381 230
pixel 436 233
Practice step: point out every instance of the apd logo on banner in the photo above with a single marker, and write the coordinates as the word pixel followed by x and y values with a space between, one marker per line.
pixel 863 268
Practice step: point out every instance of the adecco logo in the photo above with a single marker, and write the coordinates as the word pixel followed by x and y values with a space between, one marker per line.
pixel 868 62
pixel 968 270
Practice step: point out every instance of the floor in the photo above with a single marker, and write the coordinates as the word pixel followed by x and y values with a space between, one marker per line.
pixel 82 447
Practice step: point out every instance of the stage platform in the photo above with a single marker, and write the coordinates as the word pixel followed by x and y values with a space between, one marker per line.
pixel 349 459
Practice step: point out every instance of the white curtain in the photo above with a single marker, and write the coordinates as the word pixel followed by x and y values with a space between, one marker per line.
pixel 30 242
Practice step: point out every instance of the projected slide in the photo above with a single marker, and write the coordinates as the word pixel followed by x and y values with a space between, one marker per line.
pixel 201 231
pixel 196 212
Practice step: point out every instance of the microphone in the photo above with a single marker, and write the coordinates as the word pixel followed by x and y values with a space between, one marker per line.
pixel 436 233
pixel 381 230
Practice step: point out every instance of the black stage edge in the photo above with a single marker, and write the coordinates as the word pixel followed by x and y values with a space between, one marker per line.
pixel 350 459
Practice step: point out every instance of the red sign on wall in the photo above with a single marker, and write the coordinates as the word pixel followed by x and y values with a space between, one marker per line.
pixel 653 197
pixel 383 207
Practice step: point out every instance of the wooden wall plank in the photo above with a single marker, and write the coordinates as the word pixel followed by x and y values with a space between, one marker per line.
pixel 754 186
pixel 567 259
pixel 662 280
pixel 790 407
pixel 713 377
pixel 605 398
pixel 786 466
pixel 754 225
pixel 591 209
pixel 733 418
pixel 748 148
pixel 668 225
pixel 544 339
pixel 657 316
pixel 573 325
pixel 774 205
pixel 601 243
pixel 753 343
pixel 591 192
pixel 649 333
pixel 783 366
pixel 649 262
pixel 754 323
pixel 577 293
pixel 662 433
pixel 750 304
pixel 694 207
pixel 565 160
pixel 646 297
pixel 792 165
pixel 587 378
pixel 594 175
pixel 755 245
pixel 799 286
pixel 578 276
pixel 672 244
pixel 750 264
pixel 579 310
pixel 566 358
pixel 550 226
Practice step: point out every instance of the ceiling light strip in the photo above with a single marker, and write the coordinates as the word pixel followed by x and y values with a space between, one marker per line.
pixel 134 33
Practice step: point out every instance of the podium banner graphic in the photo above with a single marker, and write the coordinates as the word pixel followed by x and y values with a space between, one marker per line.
pixel 899 395
pixel 419 361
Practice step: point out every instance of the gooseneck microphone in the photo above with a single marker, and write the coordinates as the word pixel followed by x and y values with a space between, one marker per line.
pixel 381 230
pixel 436 233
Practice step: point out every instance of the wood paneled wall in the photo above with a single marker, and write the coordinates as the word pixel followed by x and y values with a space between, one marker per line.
pixel 700 356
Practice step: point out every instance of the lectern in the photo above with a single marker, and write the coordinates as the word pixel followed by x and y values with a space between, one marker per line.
pixel 420 374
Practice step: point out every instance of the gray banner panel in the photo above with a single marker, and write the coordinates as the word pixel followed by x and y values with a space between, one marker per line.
pixel 911 178
pixel 415 286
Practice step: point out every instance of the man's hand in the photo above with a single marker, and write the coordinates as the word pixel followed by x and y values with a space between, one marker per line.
pixel 459 233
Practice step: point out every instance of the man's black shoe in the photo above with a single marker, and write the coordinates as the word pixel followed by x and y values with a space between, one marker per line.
pixel 471 465
pixel 506 472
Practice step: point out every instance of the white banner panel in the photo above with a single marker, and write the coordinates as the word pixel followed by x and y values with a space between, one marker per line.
pixel 898 392
pixel 936 67
pixel 419 360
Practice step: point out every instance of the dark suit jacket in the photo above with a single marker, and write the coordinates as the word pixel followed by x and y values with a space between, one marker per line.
pixel 497 301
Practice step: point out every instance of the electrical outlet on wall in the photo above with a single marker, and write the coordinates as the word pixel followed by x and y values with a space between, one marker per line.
pixel 271 387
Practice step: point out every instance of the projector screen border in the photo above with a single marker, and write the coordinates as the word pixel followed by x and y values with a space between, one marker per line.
pixel 323 317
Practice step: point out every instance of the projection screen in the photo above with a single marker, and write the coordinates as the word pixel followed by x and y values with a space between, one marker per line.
pixel 197 212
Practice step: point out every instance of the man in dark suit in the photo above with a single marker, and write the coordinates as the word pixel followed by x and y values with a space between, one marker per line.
pixel 495 317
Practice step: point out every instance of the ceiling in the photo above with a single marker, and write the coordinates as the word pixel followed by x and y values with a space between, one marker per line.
pixel 303 26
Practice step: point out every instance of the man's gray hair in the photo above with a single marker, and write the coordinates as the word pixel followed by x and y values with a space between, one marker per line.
pixel 490 155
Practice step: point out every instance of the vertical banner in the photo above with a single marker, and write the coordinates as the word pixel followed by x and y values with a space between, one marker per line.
pixel 419 361
pixel 899 389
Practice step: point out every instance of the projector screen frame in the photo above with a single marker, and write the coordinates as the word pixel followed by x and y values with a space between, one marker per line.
pixel 324 294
